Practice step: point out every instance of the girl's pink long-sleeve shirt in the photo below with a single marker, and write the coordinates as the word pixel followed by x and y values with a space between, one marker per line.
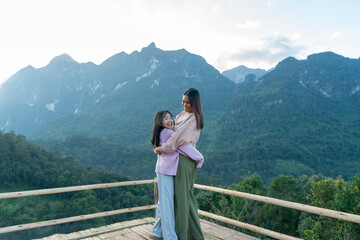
pixel 167 163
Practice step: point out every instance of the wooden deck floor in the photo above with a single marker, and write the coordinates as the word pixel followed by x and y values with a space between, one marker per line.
pixel 141 229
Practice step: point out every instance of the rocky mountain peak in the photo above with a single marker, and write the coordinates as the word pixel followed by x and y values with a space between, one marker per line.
pixel 286 62
pixel 324 55
pixel 149 49
pixel 63 58
pixel 151 46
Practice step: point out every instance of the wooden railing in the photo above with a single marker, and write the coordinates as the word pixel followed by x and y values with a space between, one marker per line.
pixel 76 218
pixel 293 205
pixel 302 207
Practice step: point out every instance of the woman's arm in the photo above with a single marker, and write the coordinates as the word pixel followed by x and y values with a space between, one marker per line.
pixel 191 152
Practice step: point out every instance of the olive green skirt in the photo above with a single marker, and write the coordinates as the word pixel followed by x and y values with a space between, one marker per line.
pixel 187 224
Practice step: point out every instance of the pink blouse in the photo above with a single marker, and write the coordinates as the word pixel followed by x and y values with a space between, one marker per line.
pixel 167 163
pixel 185 132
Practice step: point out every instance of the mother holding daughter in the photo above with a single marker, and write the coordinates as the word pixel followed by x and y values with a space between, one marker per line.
pixel 188 125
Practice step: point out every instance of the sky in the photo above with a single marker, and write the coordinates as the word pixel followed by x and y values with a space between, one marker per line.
pixel 227 33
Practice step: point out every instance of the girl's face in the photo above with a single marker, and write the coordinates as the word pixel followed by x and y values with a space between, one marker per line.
pixel 186 104
pixel 168 121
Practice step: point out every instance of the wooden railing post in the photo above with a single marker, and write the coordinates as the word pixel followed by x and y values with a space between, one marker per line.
pixel 156 194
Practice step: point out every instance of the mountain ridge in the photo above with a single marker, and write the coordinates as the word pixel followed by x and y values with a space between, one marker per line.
pixel 77 90
pixel 287 124
pixel 301 117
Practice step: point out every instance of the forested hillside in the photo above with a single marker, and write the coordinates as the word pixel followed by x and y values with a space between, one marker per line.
pixel 136 162
pixel 301 118
pixel 28 167
pixel 317 190
pixel 95 152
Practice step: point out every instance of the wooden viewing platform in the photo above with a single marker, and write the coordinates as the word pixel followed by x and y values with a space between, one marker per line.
pixel 141 229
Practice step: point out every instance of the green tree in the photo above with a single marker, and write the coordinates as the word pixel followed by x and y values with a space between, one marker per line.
pixel 335 194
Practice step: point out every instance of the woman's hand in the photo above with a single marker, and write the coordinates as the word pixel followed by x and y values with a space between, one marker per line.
pixel 157 150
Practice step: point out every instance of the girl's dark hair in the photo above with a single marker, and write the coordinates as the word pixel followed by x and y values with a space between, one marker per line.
pixel 159 116
pixel 194 98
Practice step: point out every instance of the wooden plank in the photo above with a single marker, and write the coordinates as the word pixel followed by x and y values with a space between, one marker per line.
pixel 87 231
pixel 110 230
pixel 216 230
pixel 229 234
pixel 71 235
pixel 211 237
pixel 72 219
pixel 133 235
pixel 56 237
pixel 141 229
pixel 250 227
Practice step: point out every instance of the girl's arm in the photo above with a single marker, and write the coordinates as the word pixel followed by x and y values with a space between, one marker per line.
pixel 191 152
pixel 183 135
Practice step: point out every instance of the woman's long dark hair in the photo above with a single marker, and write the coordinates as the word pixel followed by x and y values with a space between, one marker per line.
pixel 194 98
pixel 159 116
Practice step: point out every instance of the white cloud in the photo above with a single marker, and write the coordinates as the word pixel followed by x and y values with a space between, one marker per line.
pixel 216 8
pixel 267 52
pixel 334 35
pixel 248 24
pixel 296 36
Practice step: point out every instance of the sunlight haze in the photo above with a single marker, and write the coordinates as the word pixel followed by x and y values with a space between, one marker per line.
pixel 257 34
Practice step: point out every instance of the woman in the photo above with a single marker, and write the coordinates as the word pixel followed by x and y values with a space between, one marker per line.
pixel 166 168
pixel 188 125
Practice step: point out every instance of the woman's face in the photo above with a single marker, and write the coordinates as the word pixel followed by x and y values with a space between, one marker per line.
pixel 168 121
pixel 186 104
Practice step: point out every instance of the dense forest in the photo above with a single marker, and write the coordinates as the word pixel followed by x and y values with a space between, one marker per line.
pixel 135 162
pixel 25 166
pixel 131 161
pixel 317 190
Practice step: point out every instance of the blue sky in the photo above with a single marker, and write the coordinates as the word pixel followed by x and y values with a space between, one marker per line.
pixel 227 33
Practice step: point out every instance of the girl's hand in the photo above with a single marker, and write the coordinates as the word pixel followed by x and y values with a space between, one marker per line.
pixel 157 151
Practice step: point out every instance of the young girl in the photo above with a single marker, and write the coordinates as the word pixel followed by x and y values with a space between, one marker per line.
pixel 166 168
pixel 188 125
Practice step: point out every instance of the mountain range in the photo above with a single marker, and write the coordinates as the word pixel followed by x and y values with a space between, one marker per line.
pixel 114 99
pixel 302 117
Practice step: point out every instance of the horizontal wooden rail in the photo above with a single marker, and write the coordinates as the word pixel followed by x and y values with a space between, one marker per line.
pixel 293 205
pixel 72 189
pixel 248 226
pixel 298 206
pixel 73 219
